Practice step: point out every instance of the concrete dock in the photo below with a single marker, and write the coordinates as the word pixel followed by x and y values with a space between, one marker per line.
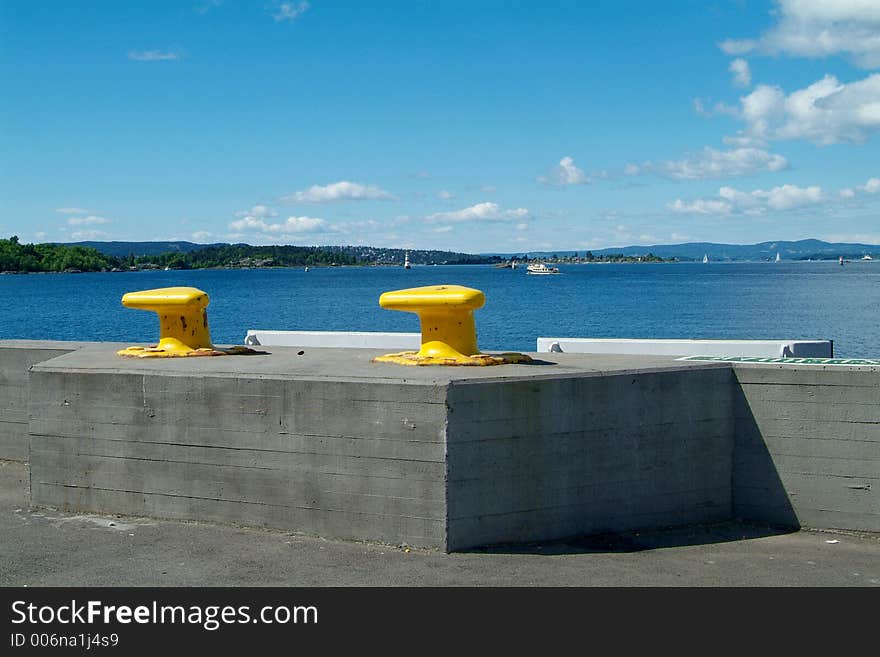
pixel 330 443
pixel 325 442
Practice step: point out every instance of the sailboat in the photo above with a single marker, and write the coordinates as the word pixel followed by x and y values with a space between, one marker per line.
pixel 777 257
pixel 406 264
pixel 840 260
pixel 705 258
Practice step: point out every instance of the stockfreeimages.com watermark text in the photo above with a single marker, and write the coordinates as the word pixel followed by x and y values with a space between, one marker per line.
pixel 209 617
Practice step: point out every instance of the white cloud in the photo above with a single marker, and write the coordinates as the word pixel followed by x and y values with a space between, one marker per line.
pixel 153 55
pixel 700 206
pixel 565 173
pixel 339 191
pixel 40 235
pixel 292 225
pixel 759 201
pixel 826 112
pixel 742 76
pixel 738 46
pixel 445 195
pixel 787 197
pixel 872 186
pixel 720 108
pixel 819 28
pixel 87 221
pixel 477 213
pixel 200 235
pixel 71 211
pixel 289 11
pixel 712 163
pixel 257 211
pixel 442 229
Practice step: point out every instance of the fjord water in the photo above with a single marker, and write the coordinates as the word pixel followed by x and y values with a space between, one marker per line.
pixel 820 300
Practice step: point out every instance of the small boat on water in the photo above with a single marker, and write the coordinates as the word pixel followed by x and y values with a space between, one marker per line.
pixel 705 258
pixel 406 264
pixel 840 260
pixel 540 269
pixel 777 257
pixel 867 257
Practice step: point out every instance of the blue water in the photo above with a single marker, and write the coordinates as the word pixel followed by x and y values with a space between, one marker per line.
pixel 686 300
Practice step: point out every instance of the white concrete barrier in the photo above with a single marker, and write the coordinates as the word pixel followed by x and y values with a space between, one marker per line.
pixel 334 339
pixel 757 348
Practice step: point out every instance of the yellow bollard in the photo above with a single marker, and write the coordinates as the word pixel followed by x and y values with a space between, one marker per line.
pixel 183 322
pixel 449 335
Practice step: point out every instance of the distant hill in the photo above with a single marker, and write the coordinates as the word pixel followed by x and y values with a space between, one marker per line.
pixel 124 249
pixel 797 250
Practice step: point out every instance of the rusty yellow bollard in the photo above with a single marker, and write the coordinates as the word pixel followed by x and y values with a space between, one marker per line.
pixel 449 335
pixel 183 322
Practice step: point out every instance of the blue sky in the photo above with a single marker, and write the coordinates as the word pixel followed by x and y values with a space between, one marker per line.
pixel 472 126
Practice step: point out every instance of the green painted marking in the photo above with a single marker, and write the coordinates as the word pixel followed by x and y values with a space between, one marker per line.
pixel 785 361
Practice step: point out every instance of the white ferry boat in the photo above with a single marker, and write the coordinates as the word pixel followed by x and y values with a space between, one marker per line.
pixel 541 269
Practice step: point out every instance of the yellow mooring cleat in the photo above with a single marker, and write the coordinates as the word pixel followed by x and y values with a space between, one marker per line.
pixel 183 323
pixel 449 336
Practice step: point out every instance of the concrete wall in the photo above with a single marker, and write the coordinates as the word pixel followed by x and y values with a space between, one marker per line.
pixel 808 446
pixel 342 460
pixel 543 459
pixel 16 357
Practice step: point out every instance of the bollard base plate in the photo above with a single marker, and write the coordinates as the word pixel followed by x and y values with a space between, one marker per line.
pixel 155 351
pixel 476 360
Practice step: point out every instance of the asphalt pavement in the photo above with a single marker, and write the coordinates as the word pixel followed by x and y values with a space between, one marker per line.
pixel 46 547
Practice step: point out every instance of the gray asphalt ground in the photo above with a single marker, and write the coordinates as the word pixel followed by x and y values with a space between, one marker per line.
pixel 43 547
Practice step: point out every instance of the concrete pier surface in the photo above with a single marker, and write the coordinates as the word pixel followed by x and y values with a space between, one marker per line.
pixel 40 547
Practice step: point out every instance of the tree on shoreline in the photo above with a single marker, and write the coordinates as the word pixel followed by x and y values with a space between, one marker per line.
pixel 15 256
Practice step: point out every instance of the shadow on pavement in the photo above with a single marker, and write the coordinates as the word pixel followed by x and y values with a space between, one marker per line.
pixel 640 541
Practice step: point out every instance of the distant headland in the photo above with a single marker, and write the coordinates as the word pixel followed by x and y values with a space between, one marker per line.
pixel 808 249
